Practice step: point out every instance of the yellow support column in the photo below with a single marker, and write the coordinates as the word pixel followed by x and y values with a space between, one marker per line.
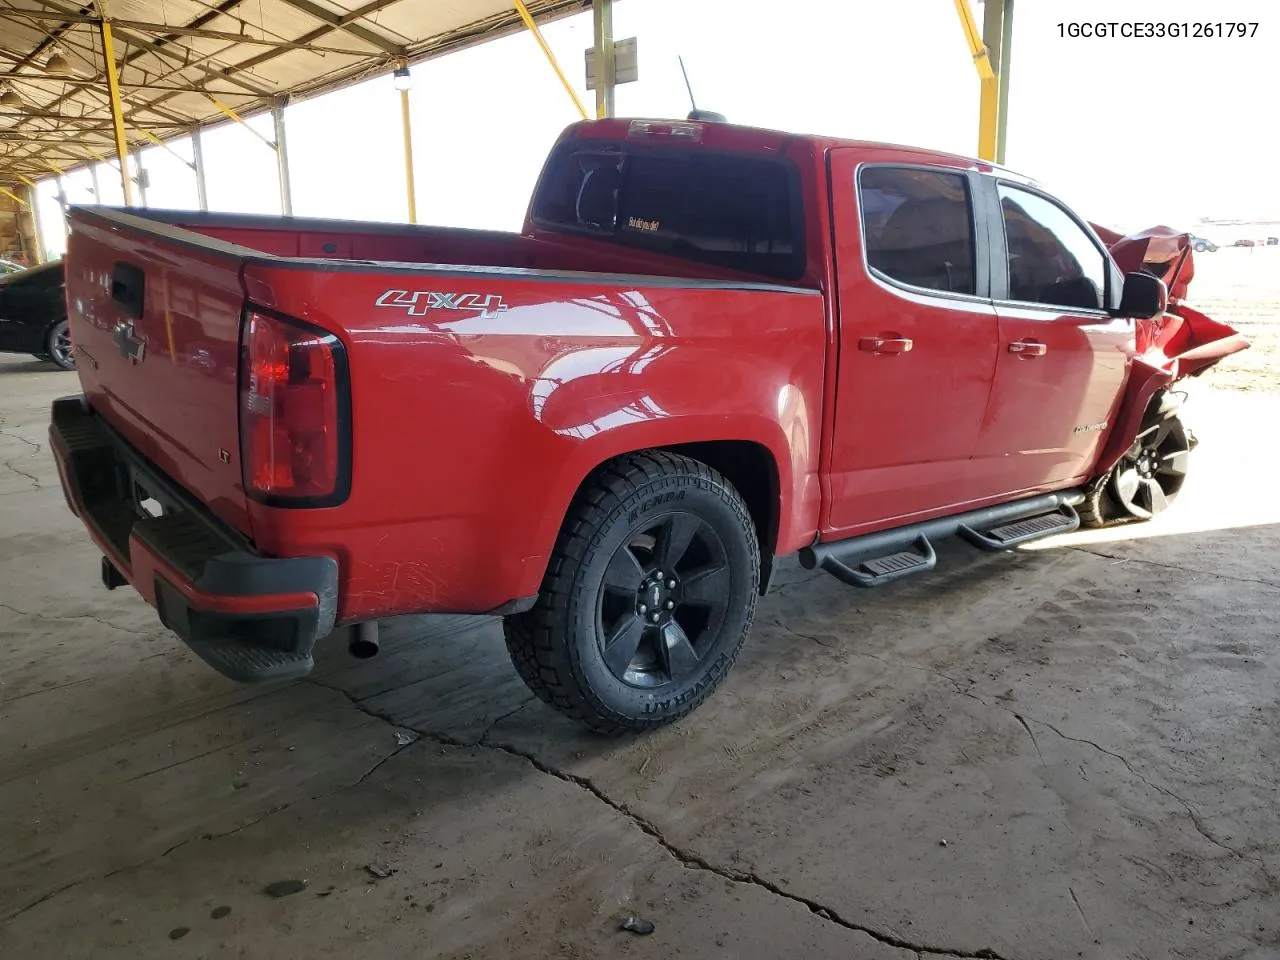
pixel 997 34
pixel 551 57
pixel 402 83
pixel 602 22
pixel 35 219
pixel 117 112
pixel 988 123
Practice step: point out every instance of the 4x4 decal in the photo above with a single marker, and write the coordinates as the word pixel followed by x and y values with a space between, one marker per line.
pixel 418 302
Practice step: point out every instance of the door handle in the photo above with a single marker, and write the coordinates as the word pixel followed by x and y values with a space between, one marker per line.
pixel 1028 348
pixel 128 286
pixel 885 345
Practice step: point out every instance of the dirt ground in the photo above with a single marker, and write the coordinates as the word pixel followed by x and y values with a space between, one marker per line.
pixel 1063 752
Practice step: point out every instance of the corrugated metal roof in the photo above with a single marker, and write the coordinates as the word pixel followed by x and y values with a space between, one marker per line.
pixel 176 56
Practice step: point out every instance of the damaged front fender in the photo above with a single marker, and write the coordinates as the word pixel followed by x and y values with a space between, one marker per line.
pixel 1181 342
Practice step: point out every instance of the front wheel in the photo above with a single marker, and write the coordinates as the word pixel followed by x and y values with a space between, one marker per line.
pixel 647 598
pixel 58 346
pixel 1148 477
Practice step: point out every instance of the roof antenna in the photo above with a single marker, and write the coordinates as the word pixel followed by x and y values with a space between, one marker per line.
pixel 695 113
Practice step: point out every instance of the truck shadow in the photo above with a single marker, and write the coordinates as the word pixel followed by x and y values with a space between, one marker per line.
pixel 450 676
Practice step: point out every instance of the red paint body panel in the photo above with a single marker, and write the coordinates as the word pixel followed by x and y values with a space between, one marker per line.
pixel 899 453
pixel 472 427
pixel 472 435
pixel 179 405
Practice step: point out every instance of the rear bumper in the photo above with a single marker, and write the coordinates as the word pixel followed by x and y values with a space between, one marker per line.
pixel 250 617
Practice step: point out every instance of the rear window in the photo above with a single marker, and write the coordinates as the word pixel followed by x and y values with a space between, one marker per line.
pixel 734 211
pixel 918 226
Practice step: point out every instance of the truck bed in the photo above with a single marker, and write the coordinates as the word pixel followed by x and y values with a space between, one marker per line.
pixel 487 374
pixel 344 240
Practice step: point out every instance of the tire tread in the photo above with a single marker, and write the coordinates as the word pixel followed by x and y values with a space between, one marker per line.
pixel 545 665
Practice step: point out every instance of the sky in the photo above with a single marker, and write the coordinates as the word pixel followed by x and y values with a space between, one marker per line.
pixel 1129 132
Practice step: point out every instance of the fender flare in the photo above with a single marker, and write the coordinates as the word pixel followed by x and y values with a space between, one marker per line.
pixel 674 432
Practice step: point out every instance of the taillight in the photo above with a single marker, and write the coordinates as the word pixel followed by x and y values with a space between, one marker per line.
pixel 293 413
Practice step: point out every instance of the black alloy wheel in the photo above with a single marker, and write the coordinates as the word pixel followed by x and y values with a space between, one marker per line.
pixel 59 346
pixel 647 598
pixel 1151 473
pixel 663 599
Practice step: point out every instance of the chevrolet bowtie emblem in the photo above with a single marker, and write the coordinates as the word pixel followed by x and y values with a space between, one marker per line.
pixel 130 346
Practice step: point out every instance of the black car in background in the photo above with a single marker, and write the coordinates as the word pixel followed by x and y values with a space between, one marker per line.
pixel 33 314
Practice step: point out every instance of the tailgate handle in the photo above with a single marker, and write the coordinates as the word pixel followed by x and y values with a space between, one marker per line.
pixel 128 287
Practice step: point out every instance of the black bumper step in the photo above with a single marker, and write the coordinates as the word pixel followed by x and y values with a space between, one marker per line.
pixel 251 617
pixel 251 664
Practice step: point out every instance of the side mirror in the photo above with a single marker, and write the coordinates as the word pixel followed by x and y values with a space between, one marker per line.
pixel 1143 296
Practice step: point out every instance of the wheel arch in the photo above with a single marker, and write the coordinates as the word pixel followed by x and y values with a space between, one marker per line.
pixel 758 461
pixel 753 472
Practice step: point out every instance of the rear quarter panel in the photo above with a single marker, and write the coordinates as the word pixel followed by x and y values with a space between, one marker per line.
pixel 473 428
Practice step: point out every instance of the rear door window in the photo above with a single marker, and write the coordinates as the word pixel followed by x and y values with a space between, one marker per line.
pixel 918 227
pixel 734 211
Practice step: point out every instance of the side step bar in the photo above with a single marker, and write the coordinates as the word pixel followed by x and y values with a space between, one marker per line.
pixel 1009 535
pixel 887 555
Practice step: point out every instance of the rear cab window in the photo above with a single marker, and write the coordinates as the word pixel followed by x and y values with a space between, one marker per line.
pixel 736 211
pixel 918 227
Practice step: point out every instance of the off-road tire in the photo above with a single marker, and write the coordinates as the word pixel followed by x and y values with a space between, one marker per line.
pixel 557 646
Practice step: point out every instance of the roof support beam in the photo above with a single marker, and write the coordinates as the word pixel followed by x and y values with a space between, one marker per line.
pixel 319 32
pixel 124 84
pixel 142 42
pixel 44 44
pixel 375 40
pixel 532 26
pixel 171 32
pixel 372 7
pixel 14 197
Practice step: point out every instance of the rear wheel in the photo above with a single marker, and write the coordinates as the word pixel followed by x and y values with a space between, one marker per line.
pixel 1148 477
pixel 59 346
pixel 648 596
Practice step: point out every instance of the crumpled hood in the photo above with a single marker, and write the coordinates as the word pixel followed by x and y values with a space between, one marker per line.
pixel 1182 341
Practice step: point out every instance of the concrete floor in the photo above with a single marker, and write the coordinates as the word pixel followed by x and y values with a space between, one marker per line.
pixel 1062 752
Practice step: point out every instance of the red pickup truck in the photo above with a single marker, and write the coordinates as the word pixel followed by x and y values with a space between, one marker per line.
pixel 709 347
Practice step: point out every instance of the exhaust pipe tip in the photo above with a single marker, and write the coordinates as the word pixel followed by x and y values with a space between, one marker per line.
pixel 364 640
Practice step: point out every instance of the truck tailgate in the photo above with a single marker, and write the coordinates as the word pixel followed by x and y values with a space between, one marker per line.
pixel 155 320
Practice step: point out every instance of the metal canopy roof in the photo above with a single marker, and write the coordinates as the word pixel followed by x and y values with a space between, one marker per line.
pixel 179 59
